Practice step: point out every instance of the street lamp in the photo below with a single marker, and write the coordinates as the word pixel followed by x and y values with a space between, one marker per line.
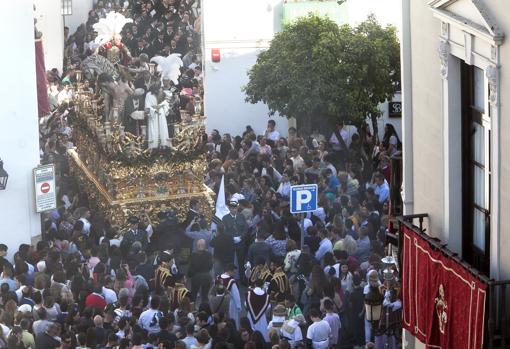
pixel 387 331
pixel 389 277
pixel 4 176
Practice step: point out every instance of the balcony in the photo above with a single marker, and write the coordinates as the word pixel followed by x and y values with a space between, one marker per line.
pixel 496 325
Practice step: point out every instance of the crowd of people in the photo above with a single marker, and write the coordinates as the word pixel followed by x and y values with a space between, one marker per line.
pixel 248 282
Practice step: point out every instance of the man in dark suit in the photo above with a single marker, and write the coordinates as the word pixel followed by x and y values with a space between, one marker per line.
pixel 168 233
pixel 235 225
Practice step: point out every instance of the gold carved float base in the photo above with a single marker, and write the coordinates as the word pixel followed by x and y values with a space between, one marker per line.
pixel 117 209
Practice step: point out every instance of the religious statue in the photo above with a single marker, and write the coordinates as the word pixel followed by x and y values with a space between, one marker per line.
pixel 114 95
pixel 109 39
pixel 170 70
pixel 156 106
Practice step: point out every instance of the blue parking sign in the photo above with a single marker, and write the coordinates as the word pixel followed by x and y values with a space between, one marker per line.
pixel 303 198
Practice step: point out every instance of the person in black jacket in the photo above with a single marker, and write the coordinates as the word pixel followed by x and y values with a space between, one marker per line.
pixel 168 233
pixel 200 265
pixel 47 339
pixel 236 226
pixel 223 250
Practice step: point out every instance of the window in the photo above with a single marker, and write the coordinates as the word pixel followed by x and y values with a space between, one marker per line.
pixel 67 7
pixel 476 168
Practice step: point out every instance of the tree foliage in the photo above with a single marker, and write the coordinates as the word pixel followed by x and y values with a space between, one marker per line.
pixel 314 68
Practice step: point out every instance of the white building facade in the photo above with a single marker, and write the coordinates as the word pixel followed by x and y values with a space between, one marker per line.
pixel 19 127
pixel 455 135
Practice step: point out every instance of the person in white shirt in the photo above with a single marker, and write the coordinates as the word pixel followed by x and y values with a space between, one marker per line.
pixel 149 319
pixel 291 258
pixel 65 94
pixel 317 136
pixel 292 331
pixel 271 134
pixel 346 278
pixel 265 148
pixel 108 293
pixel 284 188
pixel 285 328
pixel 333 320
pixel 337 144
pixel 84 215
pixel 381 189
pixel 190 339
pixel 324 246
pixel 297 161
pixel 319 331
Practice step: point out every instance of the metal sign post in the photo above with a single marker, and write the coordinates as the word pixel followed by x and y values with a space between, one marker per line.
pixel 303 199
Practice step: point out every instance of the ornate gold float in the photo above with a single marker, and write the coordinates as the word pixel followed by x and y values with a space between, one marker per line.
pixel 122 177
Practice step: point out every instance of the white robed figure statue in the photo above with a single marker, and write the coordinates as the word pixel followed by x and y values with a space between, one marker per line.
pixel 157 104
pixel 157 109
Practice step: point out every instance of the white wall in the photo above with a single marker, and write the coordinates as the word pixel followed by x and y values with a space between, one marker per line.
pixel 240 29
pixel 225 107
pixel 19 132
pixel 80 14
pixel 51 24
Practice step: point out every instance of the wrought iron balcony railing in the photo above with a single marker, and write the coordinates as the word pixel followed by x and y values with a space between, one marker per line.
pixel 496 325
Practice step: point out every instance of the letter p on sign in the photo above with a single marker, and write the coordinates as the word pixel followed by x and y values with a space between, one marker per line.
pixel 303 198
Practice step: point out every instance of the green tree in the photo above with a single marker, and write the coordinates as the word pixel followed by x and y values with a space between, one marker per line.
pixel 313 68
pixel 373 56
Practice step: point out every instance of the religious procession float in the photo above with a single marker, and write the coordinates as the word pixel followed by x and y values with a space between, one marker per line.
pixel 137 152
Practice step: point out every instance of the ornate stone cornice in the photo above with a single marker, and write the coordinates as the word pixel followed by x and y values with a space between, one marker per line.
pixel 489 24
pixel 444 53
pixel 492 74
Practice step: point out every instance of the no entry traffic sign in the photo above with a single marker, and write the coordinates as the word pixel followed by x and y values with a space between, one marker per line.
pixel 45 188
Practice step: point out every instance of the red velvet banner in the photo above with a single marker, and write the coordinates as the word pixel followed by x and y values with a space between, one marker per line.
pixel 443 303
pixel 42 88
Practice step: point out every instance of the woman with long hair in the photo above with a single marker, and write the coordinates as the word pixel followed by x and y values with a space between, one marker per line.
pixel 389 132
pixel 315 289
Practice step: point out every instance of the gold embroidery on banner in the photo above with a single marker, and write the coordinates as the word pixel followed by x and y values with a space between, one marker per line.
pixel 437 261
pixel 441 307
pixel 409 270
